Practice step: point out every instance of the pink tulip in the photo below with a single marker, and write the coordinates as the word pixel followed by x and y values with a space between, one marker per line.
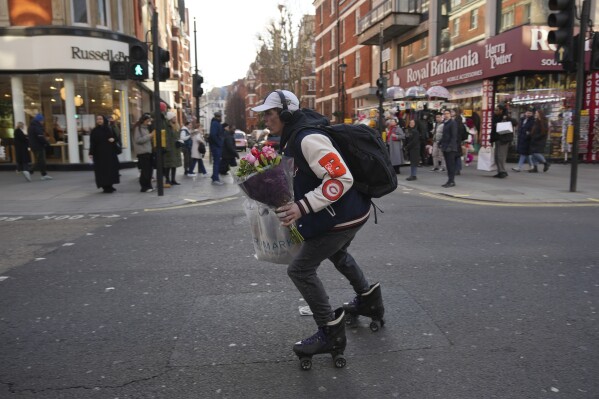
pixel 269 152
pixel 250 158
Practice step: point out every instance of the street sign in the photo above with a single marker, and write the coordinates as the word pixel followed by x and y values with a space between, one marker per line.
pixel 386 56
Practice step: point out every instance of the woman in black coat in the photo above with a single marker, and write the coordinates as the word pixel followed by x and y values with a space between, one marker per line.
pixel 538 140
pixel 413 148
pixel 229 150
pixel 22 151
pixel 103 152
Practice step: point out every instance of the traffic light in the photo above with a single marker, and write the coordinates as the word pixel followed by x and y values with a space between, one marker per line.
pixel 595 53
pixel 381 87
pixel 138 61
pixel 197 85
pixel 118 70
pixel 563 37
pixel 164 72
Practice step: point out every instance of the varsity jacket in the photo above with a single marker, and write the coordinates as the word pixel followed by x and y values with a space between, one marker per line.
pixel 322 180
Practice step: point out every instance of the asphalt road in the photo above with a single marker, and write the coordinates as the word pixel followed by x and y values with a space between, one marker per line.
pixel 481 302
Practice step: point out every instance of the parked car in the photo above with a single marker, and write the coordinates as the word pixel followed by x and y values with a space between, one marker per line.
pixel 271 140
pixel 241 143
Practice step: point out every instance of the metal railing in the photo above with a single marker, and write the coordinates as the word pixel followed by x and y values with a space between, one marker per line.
pixel 389 7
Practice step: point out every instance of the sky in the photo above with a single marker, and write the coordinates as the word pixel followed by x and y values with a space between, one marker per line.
pixel 227 31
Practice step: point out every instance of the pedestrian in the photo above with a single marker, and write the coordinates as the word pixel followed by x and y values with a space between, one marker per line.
pixel 172 155
pixel 438 158
pixel 500 146
pixel 423 127
pixel 114 126
pixel 523 144
pixel 143 147
pixel 103 152
pixel 38 144
pixel 413 137
pixel 395 137
pixel 22 151
pixel 329 212
pixel 216 140
pixel 461 138
pixel 185 146
pixel 449 146
pixel 538 140
pixel 229 153
pixel 198 149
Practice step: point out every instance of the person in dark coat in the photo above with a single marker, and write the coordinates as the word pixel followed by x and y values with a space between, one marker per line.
pixel 538 140
pixel 229 151
pixel 413 137
pixel 22 151
pixel 523 144
pixel 449 146
pixel 215 141
pixel 38 144
pixel 103 152
pixel 501 114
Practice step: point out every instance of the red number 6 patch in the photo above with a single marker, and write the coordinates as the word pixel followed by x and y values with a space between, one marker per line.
pixel 333 165
pixel 332 189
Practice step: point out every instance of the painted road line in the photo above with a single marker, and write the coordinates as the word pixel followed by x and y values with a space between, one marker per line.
pixel 190 205
pixel 445 197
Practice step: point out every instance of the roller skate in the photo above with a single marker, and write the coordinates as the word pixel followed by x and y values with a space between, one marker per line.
pixel 329 338
pixel 369 304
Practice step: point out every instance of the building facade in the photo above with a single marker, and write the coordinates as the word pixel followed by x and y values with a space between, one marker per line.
pixel 484 52
pixel 54 60
pixel 345 68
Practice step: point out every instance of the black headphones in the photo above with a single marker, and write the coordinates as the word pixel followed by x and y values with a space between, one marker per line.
pixel 285 115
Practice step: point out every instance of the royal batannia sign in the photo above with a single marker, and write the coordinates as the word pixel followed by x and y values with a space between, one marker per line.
pixel 518 50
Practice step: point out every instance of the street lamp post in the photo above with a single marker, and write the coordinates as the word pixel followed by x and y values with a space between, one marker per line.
pixel 342 68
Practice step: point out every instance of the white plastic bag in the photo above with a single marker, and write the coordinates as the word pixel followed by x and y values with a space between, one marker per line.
pixel 486 160
pixel 272 242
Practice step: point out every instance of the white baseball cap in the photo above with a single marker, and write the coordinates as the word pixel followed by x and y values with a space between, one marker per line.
pixel 273 100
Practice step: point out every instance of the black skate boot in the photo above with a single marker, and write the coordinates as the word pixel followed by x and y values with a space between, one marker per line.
pixel 369 304
pixel 329 338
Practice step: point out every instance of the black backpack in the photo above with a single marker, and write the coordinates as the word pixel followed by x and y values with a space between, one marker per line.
pixel 366 155
pixel 462 132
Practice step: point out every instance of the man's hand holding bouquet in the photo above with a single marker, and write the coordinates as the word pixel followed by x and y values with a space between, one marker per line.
pixel 266 177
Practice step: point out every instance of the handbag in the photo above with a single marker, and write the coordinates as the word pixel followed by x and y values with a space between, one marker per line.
pixel 485 160
pixel 272 242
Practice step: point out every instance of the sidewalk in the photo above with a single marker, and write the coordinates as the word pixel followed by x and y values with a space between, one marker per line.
pixel 76 193
pixel 519 187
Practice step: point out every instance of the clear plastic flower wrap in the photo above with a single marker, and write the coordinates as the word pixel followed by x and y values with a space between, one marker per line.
pixel 266 177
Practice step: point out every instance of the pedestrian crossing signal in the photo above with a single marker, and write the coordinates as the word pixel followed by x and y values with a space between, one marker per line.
pixel 138 61
pixel 118 70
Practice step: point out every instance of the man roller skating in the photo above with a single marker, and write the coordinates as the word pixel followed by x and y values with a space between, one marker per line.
pixel 328 212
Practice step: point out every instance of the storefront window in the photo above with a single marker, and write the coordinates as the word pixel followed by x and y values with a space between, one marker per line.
pixel 553 94
pixel 520 92
pixel 46 94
